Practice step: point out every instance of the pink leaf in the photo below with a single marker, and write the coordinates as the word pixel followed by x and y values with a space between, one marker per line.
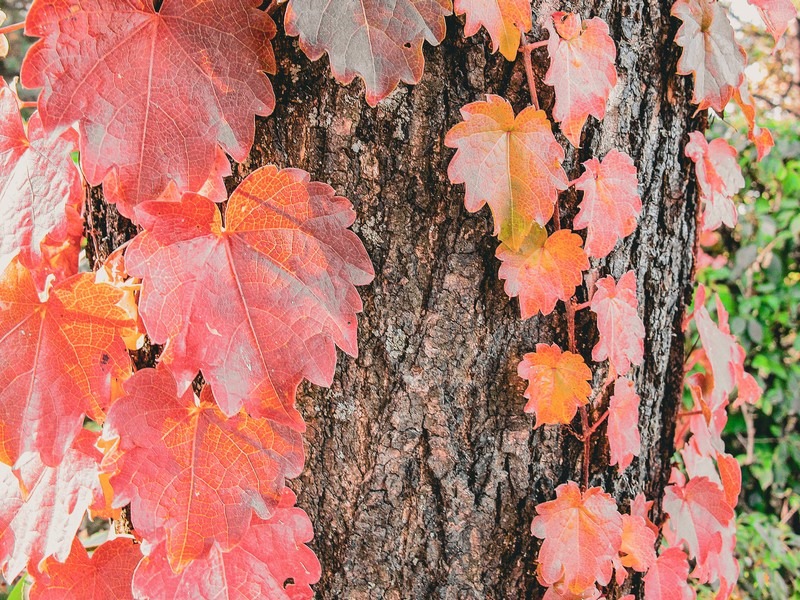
pixel 623 424
pixel 710 52
pixel 666 579
pixel 210 56
pixel 777 14
pixel 611 202
pixel 618 323
pixel 582 536
pixel 719 178
pixel 42 507
pixel 582 71
pixel 762 138
pixel 39 184
pixel 261 566
pixel 503 19
pixel 638 543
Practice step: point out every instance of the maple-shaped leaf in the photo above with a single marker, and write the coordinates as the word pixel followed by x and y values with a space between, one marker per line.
pixel 107 574
pixel 38 183
pixel 557 384
pixel 60 359
pixel 710 52
pixel 667 578
pixel 544 270
pixel 698 514
pixel 611 202
pixel 258 304
pixel 582 71
pixel 137 71
pixel 582 536
pixel 511 164
pixel 719 177
pixel 638 548
pixel 618 323
pixel 503 19
pixel 762 138
pixel 777 14
pixel 271 561
pixel 623 424
pixel 192 476
pixel 379 41
pixel 41 508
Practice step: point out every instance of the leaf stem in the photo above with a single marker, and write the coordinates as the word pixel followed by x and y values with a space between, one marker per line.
pixel 26 104
pixel 572 182
pixel 12 27
pixel 582 305
pixel 689 413
pixel 526 59
pixel 533 46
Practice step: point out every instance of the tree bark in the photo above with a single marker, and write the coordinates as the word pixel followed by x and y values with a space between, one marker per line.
pixel 423 471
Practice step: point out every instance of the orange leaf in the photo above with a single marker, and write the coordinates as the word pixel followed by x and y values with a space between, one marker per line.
pixel 60 359
pixel 192 476
pixel 611 202
pixel 378 41
pixel 710 52
pixel 582 537
pixel 513 164
pixel 582 71
pixel 544 270
pixel 623 424
pixel 503 19
pixel 762 138
pixel 638 543
pixel 618 323
pixel 557 384
pixel 719 177
pixel 106 575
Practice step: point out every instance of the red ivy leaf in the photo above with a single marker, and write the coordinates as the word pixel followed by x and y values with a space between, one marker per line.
pixel 42 510
pixel 272 553
pixel 513 164
pixel 210 56
pixel 777 14
pixel 611 202
pixel 582 71
pixel 39 183
pixel 621 330
pixel 557 384
pixel 698 513
pixel 277 282
pixel 191 475
pixel 719 177
pixel 544 270
pixel 60 359
pixel 106 575
pixel 582 537
pixel 638 543
pixel 762 138
pixel 503 19
pixel 710 52
pixel 666 579
pixel 378 41
pixel 623 424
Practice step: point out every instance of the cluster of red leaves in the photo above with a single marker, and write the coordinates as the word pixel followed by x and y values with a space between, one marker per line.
pixel 254 299
pixel 513 164
pixel 258 299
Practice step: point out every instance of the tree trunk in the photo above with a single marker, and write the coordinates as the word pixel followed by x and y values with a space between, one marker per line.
pixel 423 471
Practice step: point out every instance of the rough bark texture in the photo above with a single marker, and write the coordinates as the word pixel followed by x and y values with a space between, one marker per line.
pixel 423 472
